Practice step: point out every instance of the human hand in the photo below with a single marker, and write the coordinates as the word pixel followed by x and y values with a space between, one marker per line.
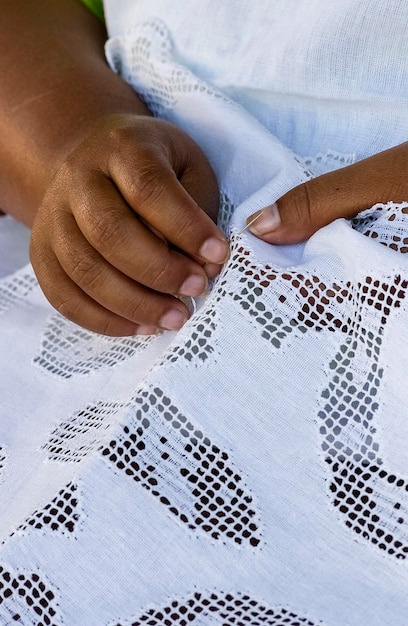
pixel 125 223
pixel 342 193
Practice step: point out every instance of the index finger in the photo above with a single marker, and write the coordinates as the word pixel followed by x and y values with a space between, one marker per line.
pixel 151 187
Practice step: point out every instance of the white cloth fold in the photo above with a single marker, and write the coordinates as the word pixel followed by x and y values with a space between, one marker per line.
pixel 251 468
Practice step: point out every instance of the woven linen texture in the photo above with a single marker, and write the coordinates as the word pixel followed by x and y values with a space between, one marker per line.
pixel 251 468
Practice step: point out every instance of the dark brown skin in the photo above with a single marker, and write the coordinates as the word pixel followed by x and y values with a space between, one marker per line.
pixel 343 193
pixel 118 202
pixel 121 205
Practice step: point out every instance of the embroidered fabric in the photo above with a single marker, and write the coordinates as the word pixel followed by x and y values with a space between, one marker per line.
pixel 249 469
pixel 328 162
pixel 68 351
pixel 222 608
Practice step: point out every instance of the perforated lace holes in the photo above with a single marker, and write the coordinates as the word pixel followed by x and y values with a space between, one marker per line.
pixel 364 494
pixel 198 348
pixel 28 589
pixel 81 435
pixel 2 460
pixel 141 65
pixel 386 223
pixel 365 511
pixel 227 609
pixel 160 447
pixel 225 213
pixel 316 313
pixel 327 162
pixel 68 350
pixel 15 289
pixel 60 515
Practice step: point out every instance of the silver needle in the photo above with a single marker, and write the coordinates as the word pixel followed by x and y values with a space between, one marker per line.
pixel 251 222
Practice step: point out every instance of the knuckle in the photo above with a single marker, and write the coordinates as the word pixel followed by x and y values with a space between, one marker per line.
pixel 71 309
pixel 104 322
pixel 106 232
pixel 109 326
pixel 184 226
pixel 302 204
pixel 66 303
pixel 138 310
pixel 118 134
pixel 145 309
pixel 150 184
pixel 86 273
pixel 161 277
pixel 159 274
pixel 70 173
pixel 67 307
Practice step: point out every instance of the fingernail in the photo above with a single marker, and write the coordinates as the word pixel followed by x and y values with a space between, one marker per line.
pixel 214 250
pixel 267 222
pixel 146 330
pixel 173 319
pixel 193 286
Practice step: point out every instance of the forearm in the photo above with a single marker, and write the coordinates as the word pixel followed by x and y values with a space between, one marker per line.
pixel 53 82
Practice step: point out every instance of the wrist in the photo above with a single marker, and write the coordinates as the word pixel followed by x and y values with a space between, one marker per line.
pixel 51 129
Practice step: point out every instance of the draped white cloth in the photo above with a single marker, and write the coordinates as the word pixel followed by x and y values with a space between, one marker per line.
pixel 251 468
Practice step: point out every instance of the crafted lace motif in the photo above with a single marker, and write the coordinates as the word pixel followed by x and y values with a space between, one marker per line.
pixel 163 451
pixel 68 350
pixel 222 609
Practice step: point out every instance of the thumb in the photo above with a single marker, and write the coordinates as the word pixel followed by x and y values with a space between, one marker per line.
pixel 343 193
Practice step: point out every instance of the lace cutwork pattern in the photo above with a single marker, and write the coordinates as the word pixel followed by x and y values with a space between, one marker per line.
pixel 249 469
pixel 280 304
pixel 328 161
pixel 15 289
pixel 256 288
pixel 223 609
pixel 373 502
pixel 22 592
pixel 303 168
pixel 225 213
pixel 73 440
pixel 152 72
pixel 176 462
pixel 60 515
pixel 68 350
pixel 387 224
pixel 303 303
pixel 3 461
pixel 197 348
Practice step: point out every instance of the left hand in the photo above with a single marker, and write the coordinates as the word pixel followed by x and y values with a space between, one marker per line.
pixel 126 222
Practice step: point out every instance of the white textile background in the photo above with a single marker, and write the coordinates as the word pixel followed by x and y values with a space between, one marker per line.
pixel 251 468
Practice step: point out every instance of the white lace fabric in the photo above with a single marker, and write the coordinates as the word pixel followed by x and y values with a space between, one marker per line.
pixel 249 469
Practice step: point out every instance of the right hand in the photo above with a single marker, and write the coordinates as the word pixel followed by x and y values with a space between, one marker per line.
pixel 342 193
pixel 126 221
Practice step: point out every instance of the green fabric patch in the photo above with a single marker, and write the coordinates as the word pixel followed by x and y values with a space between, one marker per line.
pixel 96 6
